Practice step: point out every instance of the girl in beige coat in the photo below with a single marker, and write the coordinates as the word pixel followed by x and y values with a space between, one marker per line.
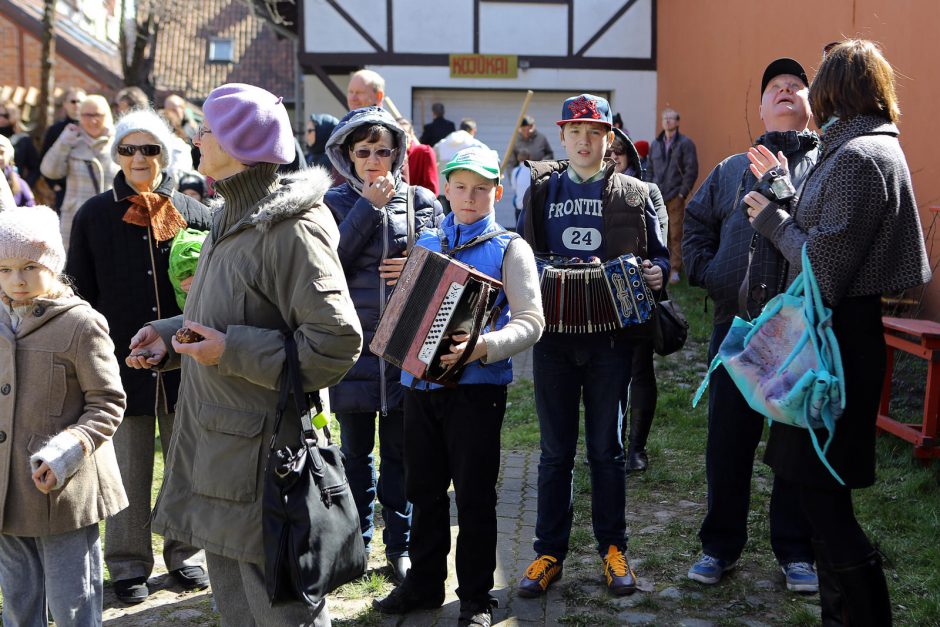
pixel 60 402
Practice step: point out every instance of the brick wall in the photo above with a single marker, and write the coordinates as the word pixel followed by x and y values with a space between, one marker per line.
pixel 21 53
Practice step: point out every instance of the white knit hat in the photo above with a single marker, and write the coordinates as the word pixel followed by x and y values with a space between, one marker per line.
pixel 32 233
pixel 144 121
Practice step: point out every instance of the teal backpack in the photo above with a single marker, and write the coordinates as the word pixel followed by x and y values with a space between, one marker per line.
pixel 786 362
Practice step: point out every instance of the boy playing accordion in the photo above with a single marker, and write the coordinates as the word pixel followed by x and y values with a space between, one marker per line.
pixel 580 208
pixel 453 433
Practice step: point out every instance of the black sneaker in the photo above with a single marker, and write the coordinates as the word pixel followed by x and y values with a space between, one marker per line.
pixel 131 591
pixel 191 577
pixel 477 614
pixel 403 599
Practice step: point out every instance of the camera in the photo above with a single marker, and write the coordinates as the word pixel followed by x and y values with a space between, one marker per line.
pixel 775 185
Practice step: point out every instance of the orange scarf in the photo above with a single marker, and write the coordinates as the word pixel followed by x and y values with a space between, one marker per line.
pixel 156 211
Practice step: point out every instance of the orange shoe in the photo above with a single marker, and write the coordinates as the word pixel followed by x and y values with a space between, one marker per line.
pixel 621 579
pixel 538 576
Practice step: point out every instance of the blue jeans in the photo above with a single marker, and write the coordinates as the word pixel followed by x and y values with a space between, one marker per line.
pixel 565 366
pixel 357 442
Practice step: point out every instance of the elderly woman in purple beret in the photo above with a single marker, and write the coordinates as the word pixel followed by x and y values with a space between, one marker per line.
pixel 268 267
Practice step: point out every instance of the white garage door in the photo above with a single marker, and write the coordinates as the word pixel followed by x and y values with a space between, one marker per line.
pixel 495 113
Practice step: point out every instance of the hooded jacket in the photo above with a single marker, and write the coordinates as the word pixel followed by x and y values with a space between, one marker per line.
pixel 366 236
pixel 268 267
pixel 324 125
pixel 60 349
pixel 717 235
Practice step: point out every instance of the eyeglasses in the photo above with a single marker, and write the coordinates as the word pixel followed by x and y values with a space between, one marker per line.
pixel 75 101
pixel 147 150
pixel 93 115
pixel 617 153
pixel 202 130
pixel 381 153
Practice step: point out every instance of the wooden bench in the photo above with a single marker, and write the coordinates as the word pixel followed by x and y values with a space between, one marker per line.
pixel 920 338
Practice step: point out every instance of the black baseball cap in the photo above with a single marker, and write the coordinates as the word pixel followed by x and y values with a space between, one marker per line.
pixel 783 65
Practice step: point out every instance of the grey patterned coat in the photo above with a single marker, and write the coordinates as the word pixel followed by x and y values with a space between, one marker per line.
pixel 858 219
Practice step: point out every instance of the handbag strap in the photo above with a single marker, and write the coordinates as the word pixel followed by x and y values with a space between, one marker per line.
pixel 291 384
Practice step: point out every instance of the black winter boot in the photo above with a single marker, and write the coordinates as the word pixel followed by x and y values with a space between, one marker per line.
pixel 641 420
pixel 830 595
pixel 865 593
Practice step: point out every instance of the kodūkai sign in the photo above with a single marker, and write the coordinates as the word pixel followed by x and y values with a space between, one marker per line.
pixel 484 66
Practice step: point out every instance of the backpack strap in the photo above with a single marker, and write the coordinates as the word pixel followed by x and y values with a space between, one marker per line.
pixel 410 208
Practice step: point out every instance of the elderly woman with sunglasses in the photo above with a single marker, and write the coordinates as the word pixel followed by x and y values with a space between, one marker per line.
pixel 368 148
pixel 118 259
pixel 82 156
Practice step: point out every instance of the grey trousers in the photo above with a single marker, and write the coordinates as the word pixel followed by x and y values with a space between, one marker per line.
pixel 61 573
pixel 127 539
pixel 242 600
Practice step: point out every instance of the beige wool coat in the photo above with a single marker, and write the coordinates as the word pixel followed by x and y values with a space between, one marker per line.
pixel 58 371
pixel 268 267
pixel 87 168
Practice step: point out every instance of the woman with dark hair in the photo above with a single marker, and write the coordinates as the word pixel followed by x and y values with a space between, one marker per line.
pixel 858 220
pixel 368 149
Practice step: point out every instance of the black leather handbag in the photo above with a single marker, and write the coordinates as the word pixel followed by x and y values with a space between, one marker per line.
pixel 312 538
pixel 670 328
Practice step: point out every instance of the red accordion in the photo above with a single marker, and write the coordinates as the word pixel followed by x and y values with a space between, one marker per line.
pixel 436 297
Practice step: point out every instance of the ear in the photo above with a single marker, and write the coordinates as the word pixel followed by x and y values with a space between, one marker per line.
pixel 447 190
pixel 561 133
pixel 610 137
pixel 499 192
pixel 379 96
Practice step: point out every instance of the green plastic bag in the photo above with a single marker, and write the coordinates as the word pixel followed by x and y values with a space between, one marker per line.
pixel 184 255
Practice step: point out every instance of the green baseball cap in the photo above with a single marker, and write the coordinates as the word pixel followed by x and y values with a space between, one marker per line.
pixel 483 161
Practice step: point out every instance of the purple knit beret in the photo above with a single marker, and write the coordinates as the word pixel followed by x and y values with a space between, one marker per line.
pixel 250 124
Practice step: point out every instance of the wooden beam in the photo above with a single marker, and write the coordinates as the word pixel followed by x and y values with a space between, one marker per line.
pixel 606 27
pixel 352 22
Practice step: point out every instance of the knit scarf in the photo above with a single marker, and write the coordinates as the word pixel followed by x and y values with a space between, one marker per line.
pixel 156 211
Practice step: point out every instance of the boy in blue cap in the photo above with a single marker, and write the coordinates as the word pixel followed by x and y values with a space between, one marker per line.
pixel 453 433
pixel 580 208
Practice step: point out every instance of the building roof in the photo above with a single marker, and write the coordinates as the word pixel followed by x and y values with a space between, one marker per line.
pixel 260 55
pixel 99 58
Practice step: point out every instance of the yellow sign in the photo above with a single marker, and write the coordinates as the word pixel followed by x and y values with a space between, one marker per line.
pixel 484 66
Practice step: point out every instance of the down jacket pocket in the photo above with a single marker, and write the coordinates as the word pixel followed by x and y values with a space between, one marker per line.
pixel 227 453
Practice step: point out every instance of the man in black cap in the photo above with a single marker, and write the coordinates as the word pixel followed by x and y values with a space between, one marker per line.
pixel 741 271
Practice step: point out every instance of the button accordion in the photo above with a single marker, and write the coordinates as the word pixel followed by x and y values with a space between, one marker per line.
pixel 436 296
pixel 593 297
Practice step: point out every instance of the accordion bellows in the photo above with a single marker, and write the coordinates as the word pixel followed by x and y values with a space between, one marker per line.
pixel 593 297
pixel 436 296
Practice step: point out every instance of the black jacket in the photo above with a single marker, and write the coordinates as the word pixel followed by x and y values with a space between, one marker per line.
pixel 122 271
pixel 717 235
pixel 436 130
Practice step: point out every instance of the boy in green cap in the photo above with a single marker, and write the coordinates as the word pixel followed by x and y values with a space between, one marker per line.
pixel 453 433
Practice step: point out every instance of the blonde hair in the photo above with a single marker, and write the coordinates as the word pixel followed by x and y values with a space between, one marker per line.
pixel 103 105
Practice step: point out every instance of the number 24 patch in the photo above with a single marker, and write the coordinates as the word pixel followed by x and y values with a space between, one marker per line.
pixel 581 238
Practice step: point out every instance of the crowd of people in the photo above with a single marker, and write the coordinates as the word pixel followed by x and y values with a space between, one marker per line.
pixel 95 300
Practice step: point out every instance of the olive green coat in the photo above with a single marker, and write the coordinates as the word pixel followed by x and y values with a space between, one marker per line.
pixel 269 266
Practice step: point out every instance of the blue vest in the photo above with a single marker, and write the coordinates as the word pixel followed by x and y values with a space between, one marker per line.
pixel 488 259
pixel 574 217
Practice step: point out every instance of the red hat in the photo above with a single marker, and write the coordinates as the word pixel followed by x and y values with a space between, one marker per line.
pixel 642 147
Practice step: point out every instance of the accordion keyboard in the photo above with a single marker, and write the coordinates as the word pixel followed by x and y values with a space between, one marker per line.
pixel 440 323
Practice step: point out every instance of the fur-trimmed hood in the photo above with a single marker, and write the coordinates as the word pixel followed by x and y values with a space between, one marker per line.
pixel 350 122
pixel 294 194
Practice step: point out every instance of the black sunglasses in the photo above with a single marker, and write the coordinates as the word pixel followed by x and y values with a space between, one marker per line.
pixel 147 150
pixel 365 153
